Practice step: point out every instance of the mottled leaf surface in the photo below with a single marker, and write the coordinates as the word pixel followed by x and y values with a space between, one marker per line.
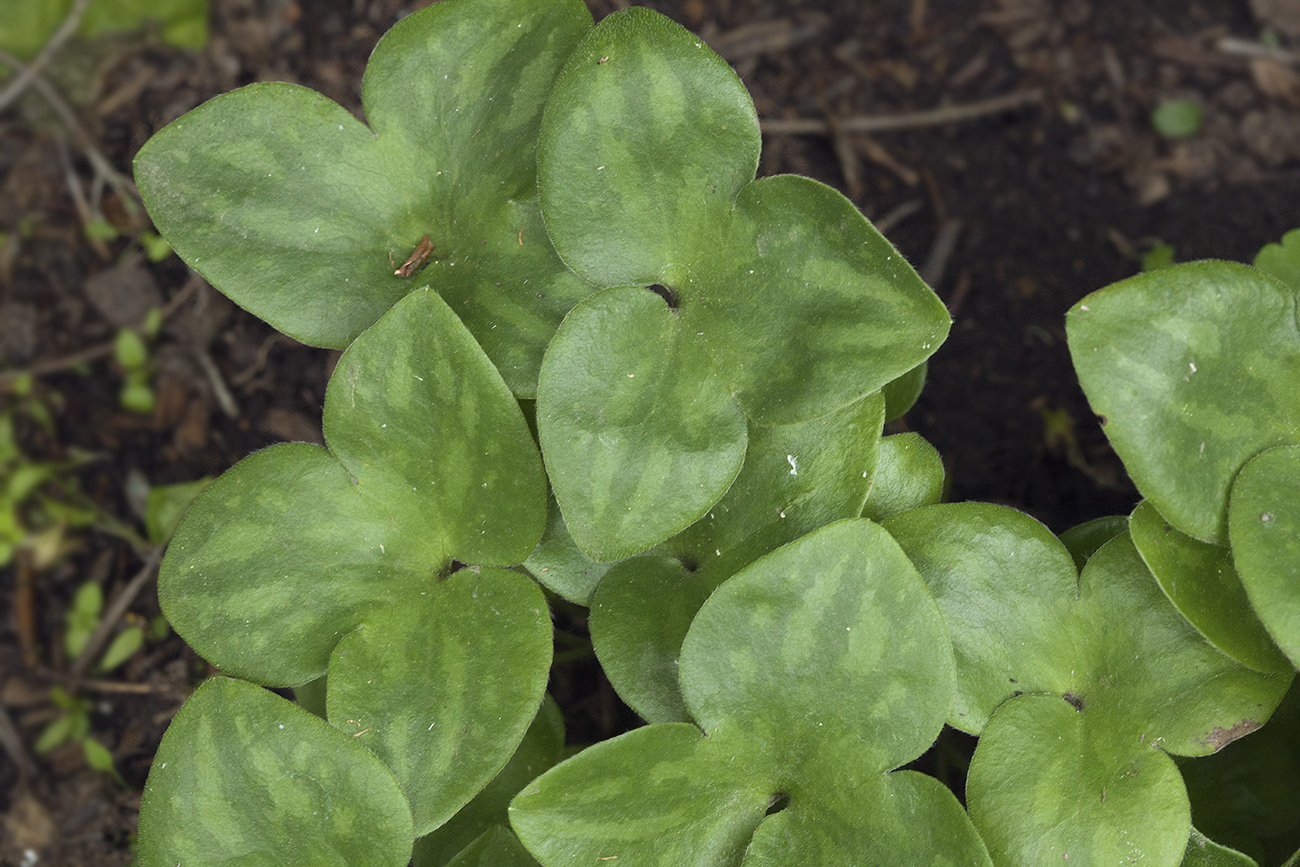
pixel 302 559
pixel 485 816
pixel 1090 688
pixel 300 213
pixel 729 298
pixel 796 478
pixel 813 673
pixel 244 777
pixel 1195 369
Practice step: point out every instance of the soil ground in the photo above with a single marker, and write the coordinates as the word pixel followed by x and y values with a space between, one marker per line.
pixel 1013 215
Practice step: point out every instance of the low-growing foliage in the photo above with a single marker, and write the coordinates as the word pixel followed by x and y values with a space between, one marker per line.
pixel 589 355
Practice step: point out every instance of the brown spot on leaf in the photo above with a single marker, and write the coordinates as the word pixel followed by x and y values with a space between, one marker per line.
pixel 1220 737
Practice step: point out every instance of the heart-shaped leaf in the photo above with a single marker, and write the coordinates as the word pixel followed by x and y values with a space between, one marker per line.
pixel 813 672
pixel 1195 369
pixel 300 559
pixel 302 214
pixel 729 298
pixel 1264 522
pixel 244 776
pixel 1201 581
pixel 1087 685
pixel 638 447
pixel 796 478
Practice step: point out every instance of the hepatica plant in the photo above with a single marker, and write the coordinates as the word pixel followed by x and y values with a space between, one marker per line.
pixel 590 358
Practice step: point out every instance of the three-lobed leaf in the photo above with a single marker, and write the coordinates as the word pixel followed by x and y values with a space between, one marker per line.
pixel 302 559
pixel 813 672
pixel 301 214
pixel 727 299
pixel 1080 686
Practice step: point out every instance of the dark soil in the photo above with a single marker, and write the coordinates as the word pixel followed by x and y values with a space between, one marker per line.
pixel 1013 215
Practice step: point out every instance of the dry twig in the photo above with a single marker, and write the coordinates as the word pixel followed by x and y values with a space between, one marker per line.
pixel 27 73
pixel 120 183
pixel 121 603
pixel 944 114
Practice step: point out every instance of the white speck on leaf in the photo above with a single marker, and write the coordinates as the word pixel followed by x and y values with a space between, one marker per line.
pixel 794 470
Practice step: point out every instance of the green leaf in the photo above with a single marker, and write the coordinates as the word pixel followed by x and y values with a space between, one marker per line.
pixel 292 207
pixel 26 478
pixel 243 774
pixel 901 393
pixel 638 447
pixel 82 617
pixel 1006 626
pixel 486 814
pixel 123 647
pixel 809 693
pixel 156 248
pixel 56 734
pixel 1195 370
pixel 909 475
pixel 1203 852
pixel 1084 540
pixel 98 756
pixel 495 847
pixel 558 563
pixel 1079 763
pixel 1044 787
pixel 296 545
pixel 165 506
pixel 1201 581
pixel 137 397
pixel 783 302
pixel 301 560
pixel 796 478
pixel 1264 523
pixel 311 696
pixel 443 689
pixel 1177 118
pixel 129 349
pixel 1282 260
pixel 1159 256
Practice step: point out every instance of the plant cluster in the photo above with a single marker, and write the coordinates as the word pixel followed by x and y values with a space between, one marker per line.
pixel 588 357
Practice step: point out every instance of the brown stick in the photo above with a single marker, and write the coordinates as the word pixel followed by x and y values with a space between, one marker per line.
pixel 27 74
pixel 121 603
pixel 944 114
